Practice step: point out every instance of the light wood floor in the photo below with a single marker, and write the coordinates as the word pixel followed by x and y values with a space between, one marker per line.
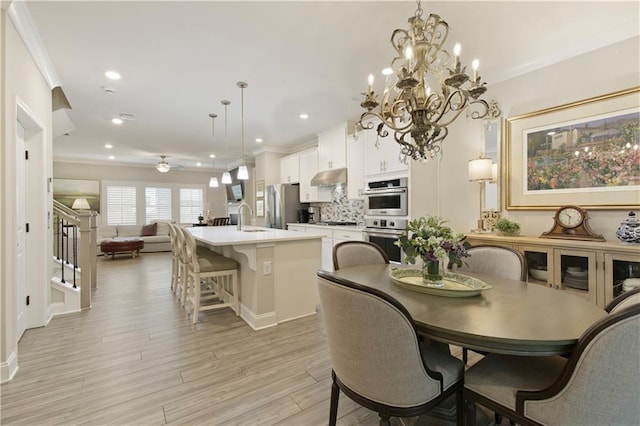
pixel 136 359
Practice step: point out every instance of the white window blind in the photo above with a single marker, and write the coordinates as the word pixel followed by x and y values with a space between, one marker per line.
pixel 191 203
pixel 157 204
pixel 121 205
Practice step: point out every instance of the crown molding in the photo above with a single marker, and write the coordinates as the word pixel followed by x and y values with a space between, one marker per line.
pixel 19 14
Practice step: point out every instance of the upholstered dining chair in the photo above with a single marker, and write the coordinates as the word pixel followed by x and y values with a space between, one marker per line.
pixel 378 359
pixel 354 253
pixel 501 262
pixel 626 299
pixel 597 384
pixel 220 276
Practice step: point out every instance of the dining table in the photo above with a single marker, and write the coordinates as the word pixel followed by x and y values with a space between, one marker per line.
pixel 511 317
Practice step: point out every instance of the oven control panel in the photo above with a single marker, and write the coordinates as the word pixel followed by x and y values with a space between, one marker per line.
pixel 387 223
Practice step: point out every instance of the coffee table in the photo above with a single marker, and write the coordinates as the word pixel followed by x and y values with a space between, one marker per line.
pixel 122 245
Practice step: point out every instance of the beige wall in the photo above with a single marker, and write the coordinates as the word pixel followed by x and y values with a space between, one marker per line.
pixel 215 199
pixel 23 84
pixel 599 72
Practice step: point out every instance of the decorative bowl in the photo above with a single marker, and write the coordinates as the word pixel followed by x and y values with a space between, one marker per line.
pixel 538 274
pixel 578 273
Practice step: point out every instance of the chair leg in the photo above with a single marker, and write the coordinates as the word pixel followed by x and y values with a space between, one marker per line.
pixel 335 395
pixel 469 412
pixel 195 299
pixel 465 355
pixel 236 293
pixel 459 408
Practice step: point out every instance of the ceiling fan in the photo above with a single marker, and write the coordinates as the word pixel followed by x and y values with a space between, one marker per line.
pixel 163 166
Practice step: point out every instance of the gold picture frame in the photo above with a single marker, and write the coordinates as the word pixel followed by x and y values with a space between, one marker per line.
pixel 260 189
pixel 583 153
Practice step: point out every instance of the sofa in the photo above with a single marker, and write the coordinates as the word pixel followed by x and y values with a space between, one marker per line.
pixel 155 235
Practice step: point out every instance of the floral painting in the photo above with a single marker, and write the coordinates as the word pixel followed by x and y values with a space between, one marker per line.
pixel 592 153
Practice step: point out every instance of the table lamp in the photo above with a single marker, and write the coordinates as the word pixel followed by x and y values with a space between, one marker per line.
pixel 481 170
pixel 81 204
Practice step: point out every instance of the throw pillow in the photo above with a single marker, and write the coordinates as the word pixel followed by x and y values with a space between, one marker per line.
pixel 149 230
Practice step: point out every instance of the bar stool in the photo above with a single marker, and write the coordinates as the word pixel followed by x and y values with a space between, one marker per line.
pixel 209 276
pixel 176 253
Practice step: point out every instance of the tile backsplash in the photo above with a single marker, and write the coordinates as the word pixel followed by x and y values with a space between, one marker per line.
pixel 341 208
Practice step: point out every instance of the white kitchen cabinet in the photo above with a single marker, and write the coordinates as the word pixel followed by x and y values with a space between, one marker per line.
pixel 308 169
pixel 332 148
pixel 290 169
pixel 385 157
pixel 355 166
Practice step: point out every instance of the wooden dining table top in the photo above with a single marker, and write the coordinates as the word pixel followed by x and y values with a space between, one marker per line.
pixel 513 317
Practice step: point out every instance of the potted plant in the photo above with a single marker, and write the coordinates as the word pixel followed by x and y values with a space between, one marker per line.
pixel 507 227
pixel 431 240
pixel 200 219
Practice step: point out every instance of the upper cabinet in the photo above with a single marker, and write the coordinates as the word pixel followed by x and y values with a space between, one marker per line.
pixel 290 169
pixel 332 148
pixel 355 172
pixel 385 157
pixel 308 169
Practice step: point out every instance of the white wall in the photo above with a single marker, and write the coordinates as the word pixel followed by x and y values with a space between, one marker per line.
pixel 215 198
pixel 23 83
pixel 599 72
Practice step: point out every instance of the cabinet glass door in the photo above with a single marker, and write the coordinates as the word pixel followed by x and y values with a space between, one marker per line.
pixel 539 264
pixel 622 273
pixel 576 272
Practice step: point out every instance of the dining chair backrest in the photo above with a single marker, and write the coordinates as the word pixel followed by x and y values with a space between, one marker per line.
pixel 190 251
pixel 495 261
pixel 599 384
pixel 626 299
pixel 373 345
pixel 219 221
pixel 176 250
pixel 354 253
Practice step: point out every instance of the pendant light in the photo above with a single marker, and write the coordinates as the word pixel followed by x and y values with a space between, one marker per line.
pixel 243 172
pixel 226 176
pixel 213 181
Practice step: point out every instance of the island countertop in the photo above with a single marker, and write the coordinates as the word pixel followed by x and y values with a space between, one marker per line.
pixel 229 235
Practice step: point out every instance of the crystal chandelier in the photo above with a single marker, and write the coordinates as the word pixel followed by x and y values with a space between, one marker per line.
pixel 430 91
pixel 213 181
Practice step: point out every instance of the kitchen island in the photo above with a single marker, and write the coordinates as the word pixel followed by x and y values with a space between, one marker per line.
pixel 277 277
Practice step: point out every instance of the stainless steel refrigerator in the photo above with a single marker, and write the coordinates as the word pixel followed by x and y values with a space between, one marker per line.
pixel 282 202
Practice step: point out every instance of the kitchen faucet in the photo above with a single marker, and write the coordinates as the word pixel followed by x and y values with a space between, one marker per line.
pixel 243 204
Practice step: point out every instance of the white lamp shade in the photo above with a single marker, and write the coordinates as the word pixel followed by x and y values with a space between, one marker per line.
pixel 81 204
pixel 226 178
pixel 243 172
pixel 480 169
pixel 213 182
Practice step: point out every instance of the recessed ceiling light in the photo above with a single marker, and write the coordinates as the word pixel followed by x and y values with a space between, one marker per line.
pixel 108 145
pixel 259 140
pixel 111 157
pixel 304 116
pixel 212 156
pixel 113 75
pixel 116 121
pixel 198 164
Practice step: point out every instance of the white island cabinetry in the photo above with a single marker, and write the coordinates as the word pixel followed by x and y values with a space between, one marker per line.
pixel 277 276
pixel 331 235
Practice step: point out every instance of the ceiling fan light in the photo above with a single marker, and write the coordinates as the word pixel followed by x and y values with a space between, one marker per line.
pixel 226 178
pixel 213 182
pixel 243 172
pixel 163 166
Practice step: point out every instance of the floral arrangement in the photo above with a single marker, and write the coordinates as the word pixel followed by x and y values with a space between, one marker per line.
pixel 431 240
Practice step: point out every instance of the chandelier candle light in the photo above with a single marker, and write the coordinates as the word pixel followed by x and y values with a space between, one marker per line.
pixel 213 181
pixel 411 105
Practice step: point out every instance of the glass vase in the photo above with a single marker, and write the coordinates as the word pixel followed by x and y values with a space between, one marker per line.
pixel 431 274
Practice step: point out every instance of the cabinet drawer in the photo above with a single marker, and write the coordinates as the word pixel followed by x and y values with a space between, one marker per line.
pixel 348 235
pixel 326 233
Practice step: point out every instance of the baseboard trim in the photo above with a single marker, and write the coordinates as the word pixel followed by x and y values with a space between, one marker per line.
pixel 257 322
pixel 9 368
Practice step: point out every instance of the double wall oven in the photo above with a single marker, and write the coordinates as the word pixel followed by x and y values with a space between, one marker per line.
pixel 386 210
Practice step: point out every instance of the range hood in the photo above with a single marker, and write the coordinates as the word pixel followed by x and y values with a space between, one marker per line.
pixel 330 177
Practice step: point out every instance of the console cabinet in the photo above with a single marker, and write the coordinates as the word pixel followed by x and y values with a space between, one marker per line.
pixel 594 270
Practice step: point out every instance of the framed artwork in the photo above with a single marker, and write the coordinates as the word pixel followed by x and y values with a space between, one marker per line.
pixel 260 208
pixel 66 191
pixel 259 189
pixel 584 153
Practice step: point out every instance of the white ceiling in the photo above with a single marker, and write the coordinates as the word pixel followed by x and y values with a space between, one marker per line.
pixel 179 59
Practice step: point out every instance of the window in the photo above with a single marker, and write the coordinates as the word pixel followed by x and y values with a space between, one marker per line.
pixel 191 202
pixel 157 204
pixel 121 205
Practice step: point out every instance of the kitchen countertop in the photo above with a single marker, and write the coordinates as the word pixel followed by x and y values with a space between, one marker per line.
pixel 229 235
pixel 332 227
